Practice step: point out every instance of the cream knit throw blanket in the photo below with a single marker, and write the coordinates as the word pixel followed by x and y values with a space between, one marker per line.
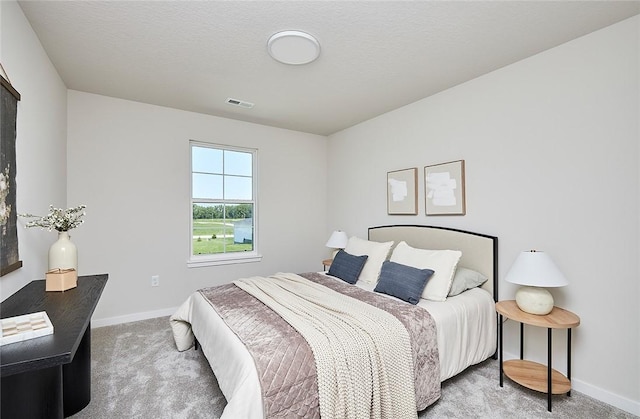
pixel 362 353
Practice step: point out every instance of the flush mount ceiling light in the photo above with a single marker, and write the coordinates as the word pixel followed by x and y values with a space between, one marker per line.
pixel 293 47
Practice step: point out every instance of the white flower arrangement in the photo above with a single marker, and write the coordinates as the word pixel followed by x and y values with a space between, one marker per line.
pixel 58 219
pixel 5 209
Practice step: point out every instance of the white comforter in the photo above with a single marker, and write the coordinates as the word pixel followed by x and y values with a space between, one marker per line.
pixel 467 329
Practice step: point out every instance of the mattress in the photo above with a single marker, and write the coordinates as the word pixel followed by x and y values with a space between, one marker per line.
pixel 466 335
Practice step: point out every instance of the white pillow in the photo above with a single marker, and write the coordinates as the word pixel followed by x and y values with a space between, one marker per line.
pixel 377 253
pixel 442 262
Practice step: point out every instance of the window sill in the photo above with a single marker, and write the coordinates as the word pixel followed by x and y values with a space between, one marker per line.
pixel 227 260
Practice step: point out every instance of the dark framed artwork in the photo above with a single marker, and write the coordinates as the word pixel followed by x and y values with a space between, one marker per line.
pixel 444 188
pixel 9 259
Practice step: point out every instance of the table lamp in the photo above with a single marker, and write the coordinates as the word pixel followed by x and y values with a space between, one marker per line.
pixel 535 270
pixel 338 240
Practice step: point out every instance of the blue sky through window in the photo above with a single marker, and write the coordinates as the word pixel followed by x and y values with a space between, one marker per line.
pixel 221 174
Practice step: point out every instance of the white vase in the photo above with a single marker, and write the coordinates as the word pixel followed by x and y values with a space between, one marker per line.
pixel 63 254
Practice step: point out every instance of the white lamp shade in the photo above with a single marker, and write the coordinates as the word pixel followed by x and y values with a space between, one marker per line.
pixel 536 269
pixel 338 240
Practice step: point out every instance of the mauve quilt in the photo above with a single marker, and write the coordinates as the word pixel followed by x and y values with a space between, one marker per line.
pixel 284 361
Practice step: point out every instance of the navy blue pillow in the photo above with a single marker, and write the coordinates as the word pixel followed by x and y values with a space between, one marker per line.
pixel 347 267
pixel 402 281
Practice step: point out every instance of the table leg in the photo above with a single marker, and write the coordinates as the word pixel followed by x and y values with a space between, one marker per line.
pixel 549 369
pixel 500 347
pixel 569 358
pixel 33 394
pixel 76 377
pixel 521 340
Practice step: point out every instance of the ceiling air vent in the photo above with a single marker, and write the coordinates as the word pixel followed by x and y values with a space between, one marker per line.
pixel 241 103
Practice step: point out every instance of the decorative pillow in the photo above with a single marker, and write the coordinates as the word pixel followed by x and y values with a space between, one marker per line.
pixel 402 281
pixel 465 279
pixel 377 253
pixel 442 262
pixel 347 267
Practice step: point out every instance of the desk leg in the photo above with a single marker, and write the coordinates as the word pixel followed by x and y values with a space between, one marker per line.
pixel 76 377
pixel 32 394
pixel 500 345
pixel 549 369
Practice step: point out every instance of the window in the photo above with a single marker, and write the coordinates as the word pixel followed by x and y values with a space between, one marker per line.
pixel 223 205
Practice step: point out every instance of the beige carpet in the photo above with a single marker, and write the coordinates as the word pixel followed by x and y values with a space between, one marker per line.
pixel 138 373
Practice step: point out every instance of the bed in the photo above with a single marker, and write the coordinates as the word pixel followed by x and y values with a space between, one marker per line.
pixel 465 330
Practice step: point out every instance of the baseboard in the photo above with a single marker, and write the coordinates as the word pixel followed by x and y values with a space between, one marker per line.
pixel 597 393
pixel 605 396
pixel 110 321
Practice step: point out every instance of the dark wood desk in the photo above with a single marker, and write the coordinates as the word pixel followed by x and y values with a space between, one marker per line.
pixel 50 376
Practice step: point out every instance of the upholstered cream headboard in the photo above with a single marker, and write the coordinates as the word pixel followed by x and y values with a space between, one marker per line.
pixel 479 251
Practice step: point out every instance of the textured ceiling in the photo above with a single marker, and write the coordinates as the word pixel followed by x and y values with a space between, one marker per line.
pixel 376 55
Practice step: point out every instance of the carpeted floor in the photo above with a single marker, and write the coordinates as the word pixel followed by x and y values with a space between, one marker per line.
pixel 138 373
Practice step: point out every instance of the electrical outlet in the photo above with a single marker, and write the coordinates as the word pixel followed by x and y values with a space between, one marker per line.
pixel 155 281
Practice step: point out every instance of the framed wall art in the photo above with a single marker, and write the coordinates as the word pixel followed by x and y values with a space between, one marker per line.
pixel 402 192
pixel 9 97
pixel 444 188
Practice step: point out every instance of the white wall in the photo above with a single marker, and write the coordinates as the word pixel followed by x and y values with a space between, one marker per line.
pixel 551 151
pixel 129 163
pixel 40 140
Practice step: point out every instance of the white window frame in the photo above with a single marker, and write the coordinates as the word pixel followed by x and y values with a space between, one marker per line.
pixel 195 261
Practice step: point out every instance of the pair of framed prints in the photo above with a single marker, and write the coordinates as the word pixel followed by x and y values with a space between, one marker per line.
pixel 443 185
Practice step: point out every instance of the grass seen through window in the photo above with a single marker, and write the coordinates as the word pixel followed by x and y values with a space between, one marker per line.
pixel 212 236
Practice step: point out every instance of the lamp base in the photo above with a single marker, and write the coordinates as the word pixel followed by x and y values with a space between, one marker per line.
pixel 534 300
